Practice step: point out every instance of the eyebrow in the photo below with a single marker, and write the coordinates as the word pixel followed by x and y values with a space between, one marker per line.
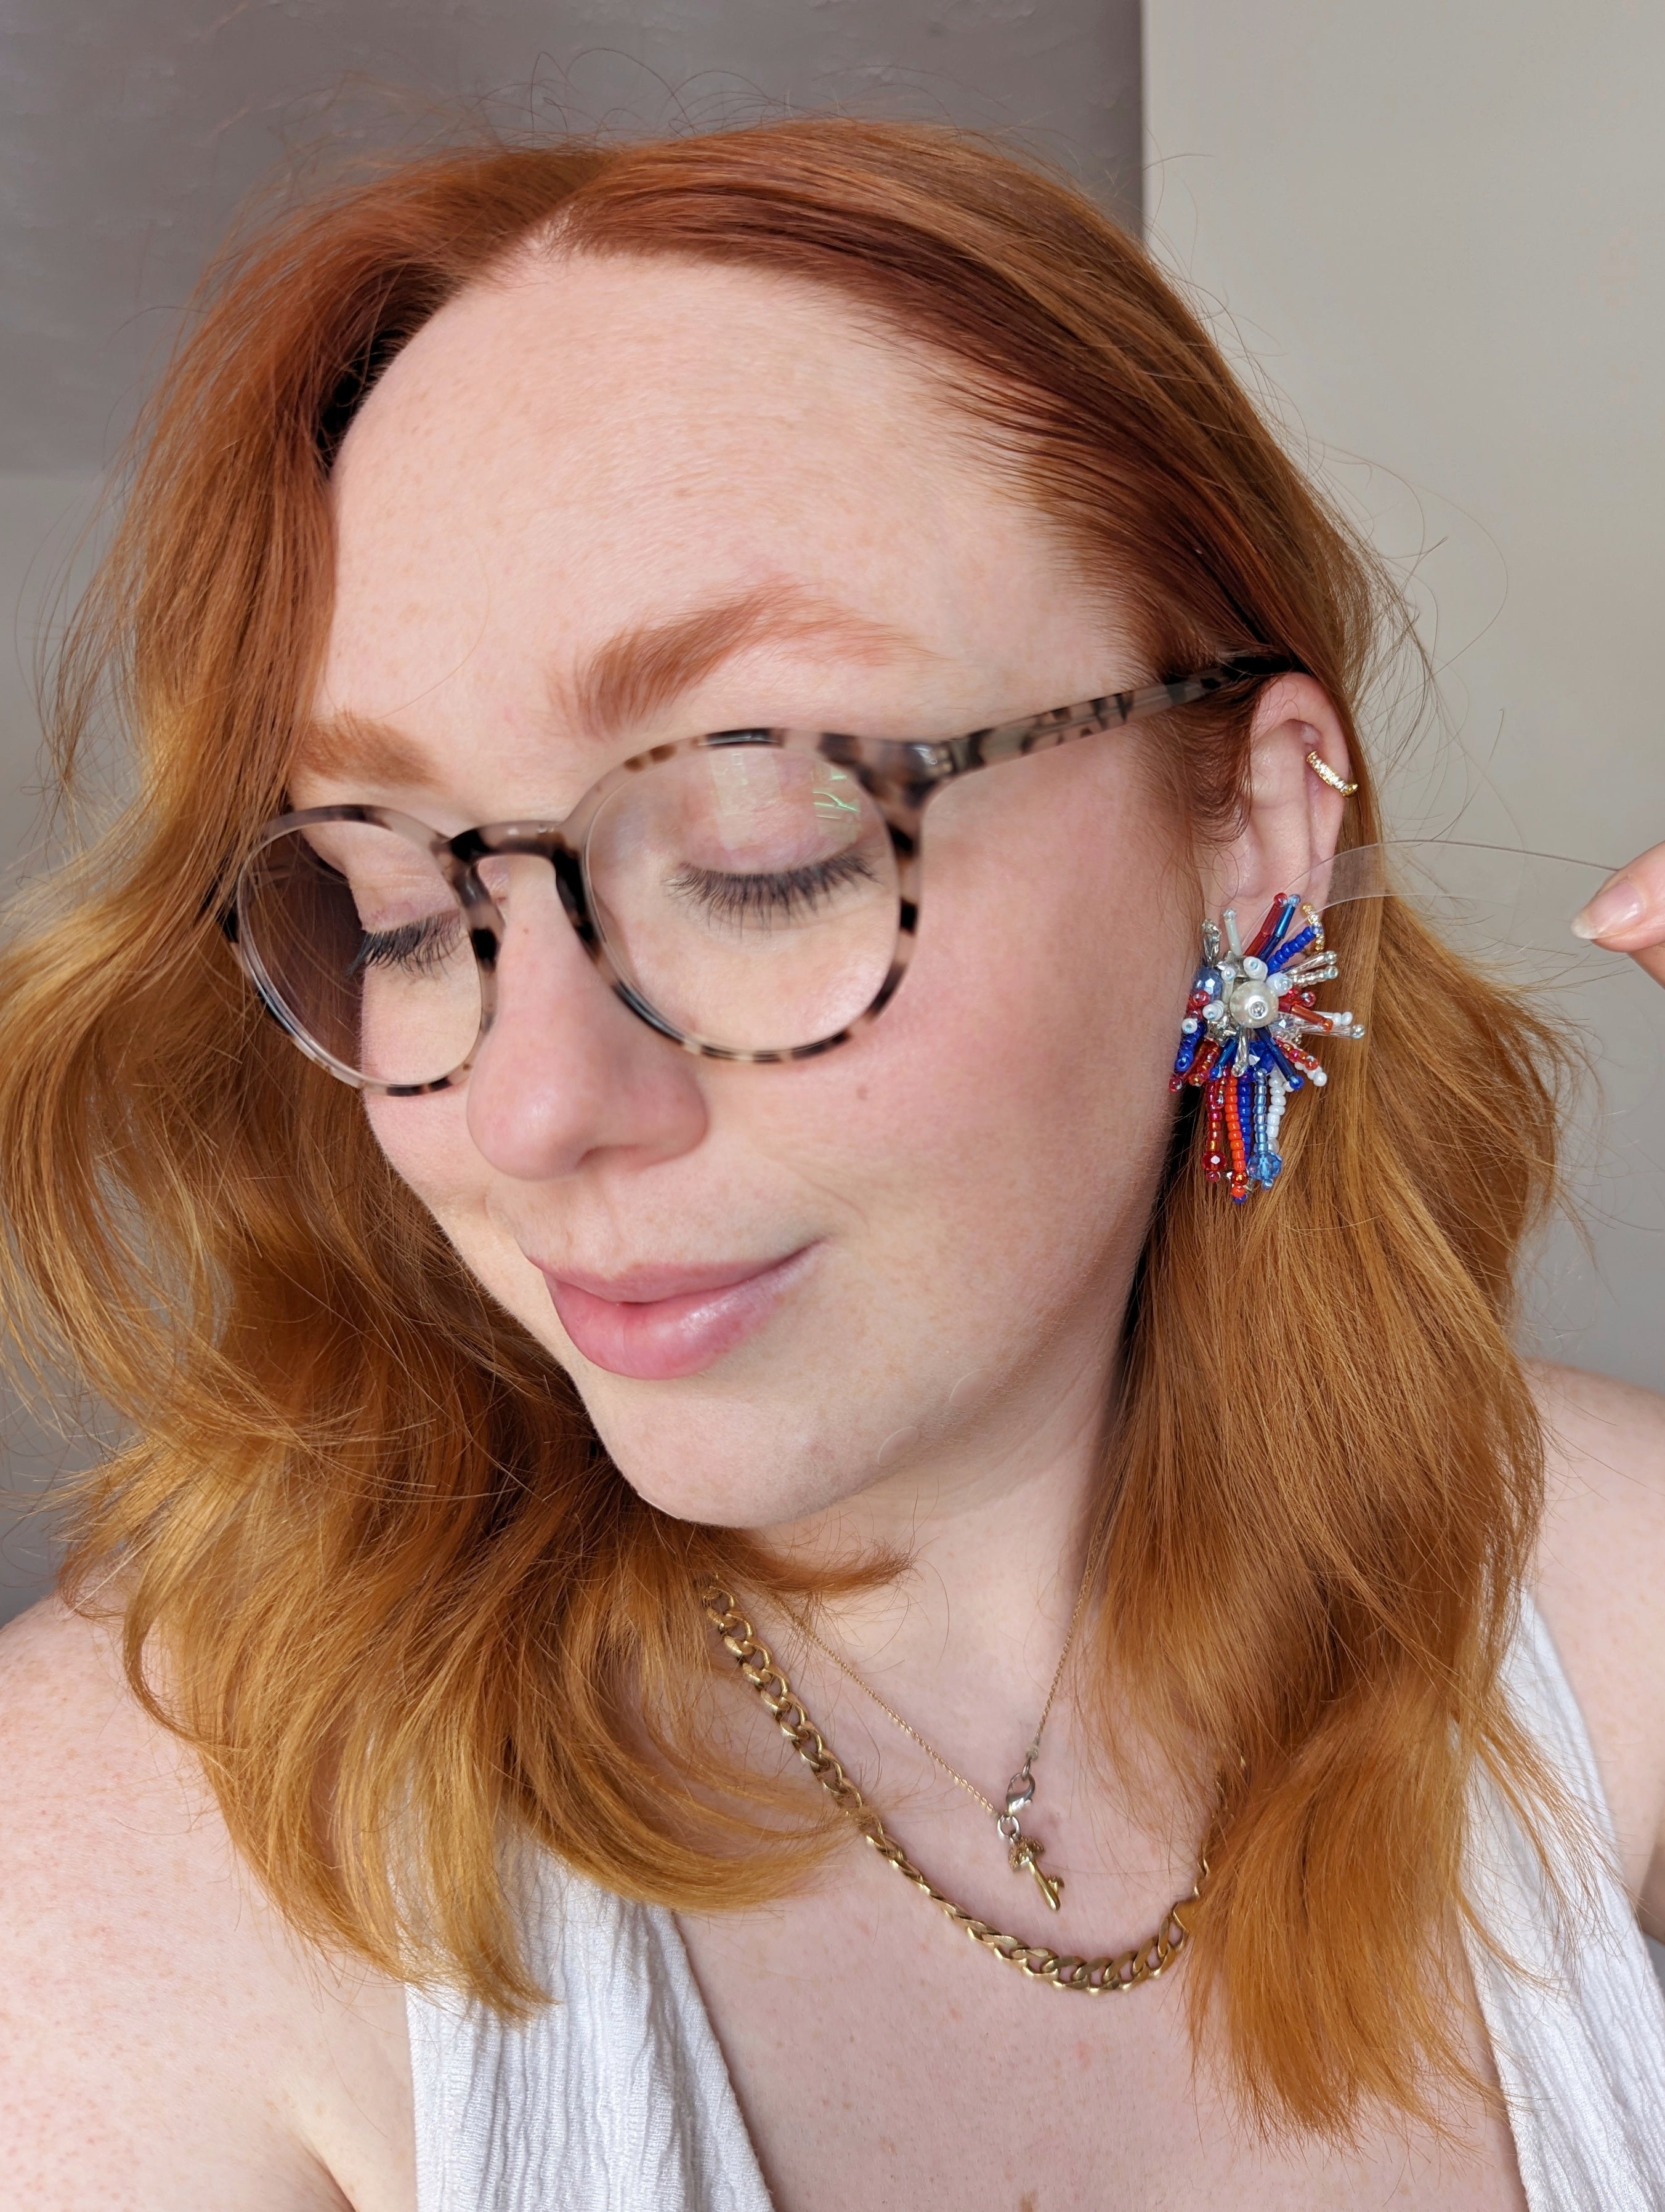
pixel 630 678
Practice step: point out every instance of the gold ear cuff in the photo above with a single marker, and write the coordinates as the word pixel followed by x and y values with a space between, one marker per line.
pixel 1321 768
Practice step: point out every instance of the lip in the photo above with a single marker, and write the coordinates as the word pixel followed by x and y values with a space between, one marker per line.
pixel 654 1324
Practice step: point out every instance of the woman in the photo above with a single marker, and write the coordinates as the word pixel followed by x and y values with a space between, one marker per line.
pixel 662 1268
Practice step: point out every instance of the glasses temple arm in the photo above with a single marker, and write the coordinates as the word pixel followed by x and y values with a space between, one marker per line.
pixel 1060 725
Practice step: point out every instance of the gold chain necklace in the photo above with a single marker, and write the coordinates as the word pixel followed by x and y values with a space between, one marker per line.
pixel 1122 1970
pixel 1023 1852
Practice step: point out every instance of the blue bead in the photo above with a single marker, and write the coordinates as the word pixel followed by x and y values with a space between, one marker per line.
pixel 1286 914
pixel 1293 950
pixel 1289 1072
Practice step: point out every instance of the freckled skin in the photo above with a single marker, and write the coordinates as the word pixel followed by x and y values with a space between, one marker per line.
pixel 976 1168
pixel 592 446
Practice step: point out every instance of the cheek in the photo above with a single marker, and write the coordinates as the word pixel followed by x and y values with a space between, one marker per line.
pixel 1054 958
pixel 1004 1121
pixel 427 1142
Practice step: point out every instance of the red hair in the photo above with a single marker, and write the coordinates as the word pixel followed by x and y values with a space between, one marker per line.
pixel 406 1602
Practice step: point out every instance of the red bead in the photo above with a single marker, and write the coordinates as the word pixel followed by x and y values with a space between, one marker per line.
pixel 1235 1138
pixel 1215 1163
pixel 1262 935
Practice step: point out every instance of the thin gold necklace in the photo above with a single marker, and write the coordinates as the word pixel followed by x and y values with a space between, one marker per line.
pixel 1023 1852
pixel 1093 1978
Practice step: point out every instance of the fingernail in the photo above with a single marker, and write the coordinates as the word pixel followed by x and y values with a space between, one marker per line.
pixel 1614 907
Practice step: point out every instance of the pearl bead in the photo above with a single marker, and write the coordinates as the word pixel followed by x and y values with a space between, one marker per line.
pixel 1252 1005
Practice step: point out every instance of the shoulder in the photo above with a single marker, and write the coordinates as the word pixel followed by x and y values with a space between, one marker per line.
pixel 1600 1587
pixel 163 2039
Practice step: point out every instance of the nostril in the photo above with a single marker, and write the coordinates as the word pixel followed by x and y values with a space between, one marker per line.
pixel 564 1070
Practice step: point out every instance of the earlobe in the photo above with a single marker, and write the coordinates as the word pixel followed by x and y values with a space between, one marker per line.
pixel 1252 1013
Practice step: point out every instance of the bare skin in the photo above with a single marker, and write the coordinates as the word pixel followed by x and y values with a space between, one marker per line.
pixel 935 1376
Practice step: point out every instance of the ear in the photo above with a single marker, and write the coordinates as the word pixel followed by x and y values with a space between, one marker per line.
pixel 1294 817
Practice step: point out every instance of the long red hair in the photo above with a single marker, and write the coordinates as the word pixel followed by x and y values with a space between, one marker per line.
pixel 406 1603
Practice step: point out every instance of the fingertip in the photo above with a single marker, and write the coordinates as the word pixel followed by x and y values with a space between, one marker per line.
pixel 1619 904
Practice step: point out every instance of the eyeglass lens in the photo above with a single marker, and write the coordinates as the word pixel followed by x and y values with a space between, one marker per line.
pixel 748 894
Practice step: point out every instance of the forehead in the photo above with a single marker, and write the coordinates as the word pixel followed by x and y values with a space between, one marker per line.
pixel 583 446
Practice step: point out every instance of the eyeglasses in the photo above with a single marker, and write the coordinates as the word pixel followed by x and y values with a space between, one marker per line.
pixel 751 894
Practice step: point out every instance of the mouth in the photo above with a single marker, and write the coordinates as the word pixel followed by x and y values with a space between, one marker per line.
pixel 654 1324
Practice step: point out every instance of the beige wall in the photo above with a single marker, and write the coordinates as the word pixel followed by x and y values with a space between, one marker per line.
pixel 1438 232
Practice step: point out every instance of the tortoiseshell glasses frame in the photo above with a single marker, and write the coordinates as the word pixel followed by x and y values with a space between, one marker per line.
pixel 901 776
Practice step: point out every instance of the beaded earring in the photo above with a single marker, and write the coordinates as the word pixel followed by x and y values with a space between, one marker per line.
pixel 1239 1041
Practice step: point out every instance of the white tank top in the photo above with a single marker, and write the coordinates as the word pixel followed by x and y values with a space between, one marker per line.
pixel 616 2098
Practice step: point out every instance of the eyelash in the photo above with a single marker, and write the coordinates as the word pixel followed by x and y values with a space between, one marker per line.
pixel 422 947
pixel 776 896
pixel 418 946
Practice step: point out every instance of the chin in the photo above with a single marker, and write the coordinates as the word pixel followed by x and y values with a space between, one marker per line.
pixel 729 1459
pixel 774 1431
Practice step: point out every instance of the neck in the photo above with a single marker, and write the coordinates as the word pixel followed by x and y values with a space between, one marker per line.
pixel 993 1521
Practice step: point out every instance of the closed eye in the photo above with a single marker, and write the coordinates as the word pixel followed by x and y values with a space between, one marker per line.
pixel 777 895
pixel 418 948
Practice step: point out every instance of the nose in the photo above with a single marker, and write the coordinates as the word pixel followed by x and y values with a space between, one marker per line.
pixel 566 1071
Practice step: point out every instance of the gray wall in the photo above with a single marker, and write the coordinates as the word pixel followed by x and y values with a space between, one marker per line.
pixel 42 518
pixel 134 130
pixel 130 132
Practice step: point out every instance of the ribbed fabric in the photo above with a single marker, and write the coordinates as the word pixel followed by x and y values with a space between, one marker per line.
pixel 616 2098
pixel 1578 2034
